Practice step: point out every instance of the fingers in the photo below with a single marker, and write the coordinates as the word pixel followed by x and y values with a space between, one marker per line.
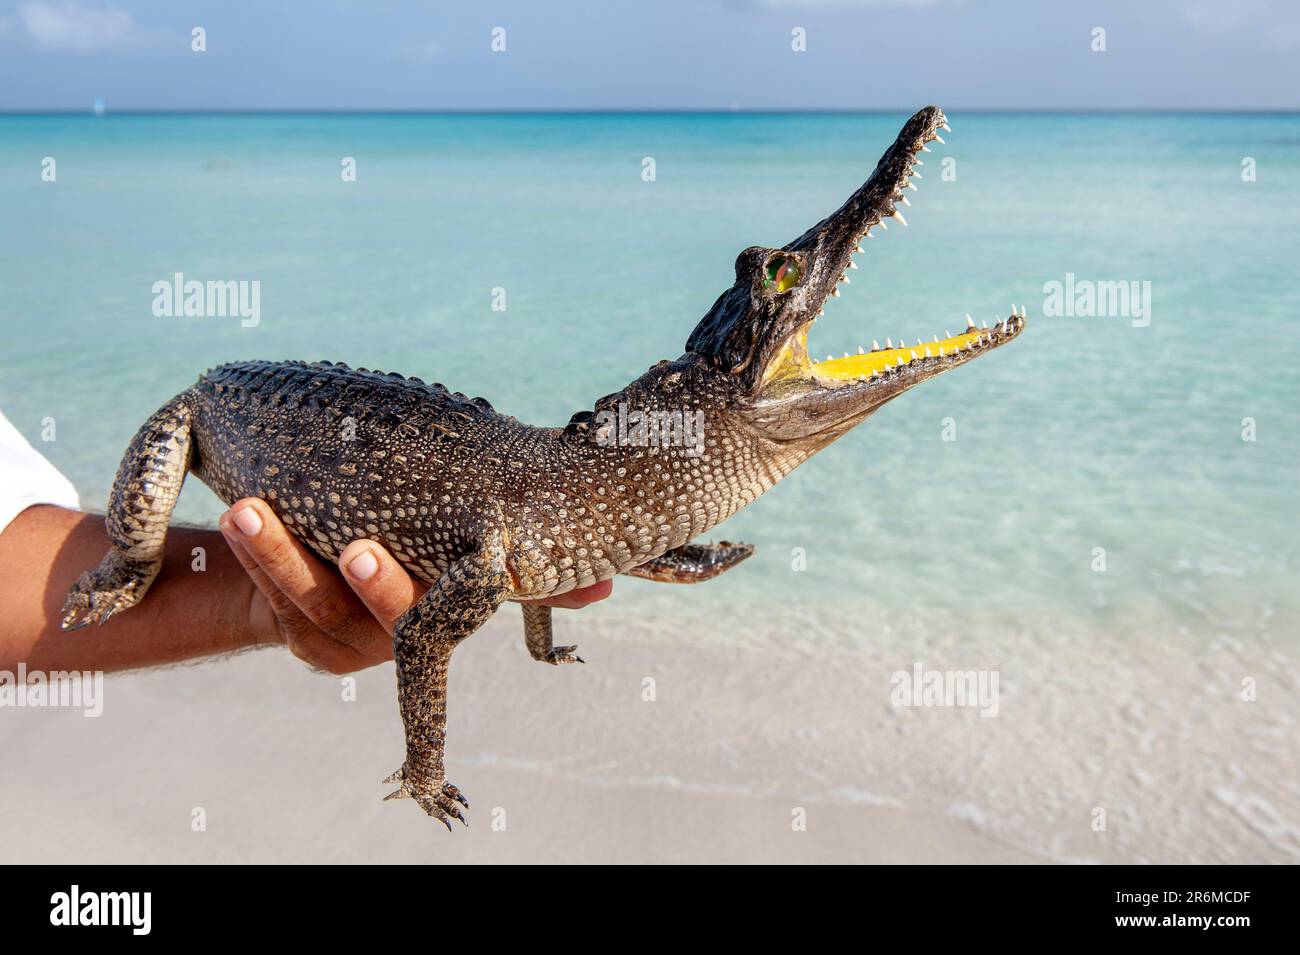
pixel 383 585
pixel 285 609
pixel 321 619
pixel 282 558
pixel 577 599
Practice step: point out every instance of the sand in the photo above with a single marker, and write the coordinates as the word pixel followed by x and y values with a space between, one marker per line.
pixel 574 764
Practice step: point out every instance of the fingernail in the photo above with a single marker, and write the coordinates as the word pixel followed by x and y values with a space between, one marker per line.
pixel 248 521
pixel 363 566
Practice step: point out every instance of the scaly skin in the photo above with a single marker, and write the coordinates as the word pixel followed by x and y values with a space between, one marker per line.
pixel 486 509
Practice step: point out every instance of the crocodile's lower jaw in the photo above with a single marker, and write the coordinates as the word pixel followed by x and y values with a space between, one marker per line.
pixel 886 363
pixel 935 354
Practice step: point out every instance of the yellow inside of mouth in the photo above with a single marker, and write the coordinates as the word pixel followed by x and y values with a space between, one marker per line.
pixel 855 366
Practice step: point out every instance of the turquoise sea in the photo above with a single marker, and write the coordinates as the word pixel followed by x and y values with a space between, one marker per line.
pixel 1086 433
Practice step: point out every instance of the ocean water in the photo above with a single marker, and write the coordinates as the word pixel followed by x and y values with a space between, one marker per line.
pixel 1088 432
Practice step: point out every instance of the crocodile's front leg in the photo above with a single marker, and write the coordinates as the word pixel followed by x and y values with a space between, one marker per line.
pixel 537 635
pixel 458 604
pixel 692 563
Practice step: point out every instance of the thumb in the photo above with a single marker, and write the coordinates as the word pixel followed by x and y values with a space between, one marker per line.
pixel 383 584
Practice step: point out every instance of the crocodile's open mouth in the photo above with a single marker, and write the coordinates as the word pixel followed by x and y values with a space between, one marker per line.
pixel 884 361
pixel 826 253
pixel 757 330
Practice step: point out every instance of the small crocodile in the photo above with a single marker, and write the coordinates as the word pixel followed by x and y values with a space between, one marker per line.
pixel 485 509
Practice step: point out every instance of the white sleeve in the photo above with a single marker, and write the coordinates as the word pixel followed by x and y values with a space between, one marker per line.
pixel 26 478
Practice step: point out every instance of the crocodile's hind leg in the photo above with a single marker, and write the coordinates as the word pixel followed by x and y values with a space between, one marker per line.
pixel 458 604
pixel 139 507
pixel 692 563
pixel 537 635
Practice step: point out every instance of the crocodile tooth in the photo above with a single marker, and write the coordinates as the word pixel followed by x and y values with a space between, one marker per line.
pixel 900 360
pixel 875 345
pixel 889 343
pixel 917 175
pixel 936 339
pixel 970 322
pixel 927 351
pixel 918 162
pixel 860 350
pixel 919 343
pixel 926 149
pixel 912 352
pixel 903 200
pixel 939 139
pixel 1023 311
pixel 884 225
pixel 947 334
pixel 912 186
pixel 836 291
pixel 986 325
pixel 852 264
pixel 940 351
pixel 846 280
pixel 899 216
pixel 946 127
pixel 858 249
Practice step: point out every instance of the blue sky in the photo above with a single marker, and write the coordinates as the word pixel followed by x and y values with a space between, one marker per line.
pixel 650 54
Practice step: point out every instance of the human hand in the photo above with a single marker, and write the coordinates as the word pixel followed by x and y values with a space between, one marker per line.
pixel 335 622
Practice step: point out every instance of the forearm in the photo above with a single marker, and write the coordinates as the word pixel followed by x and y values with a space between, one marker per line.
pixel 187 614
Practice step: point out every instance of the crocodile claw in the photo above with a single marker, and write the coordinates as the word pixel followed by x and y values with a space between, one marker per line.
pixel 558 655
pixel 97 597
pixel 437 797
pixel 117 584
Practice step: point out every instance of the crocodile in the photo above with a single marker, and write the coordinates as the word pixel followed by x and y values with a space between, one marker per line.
pixel 485 509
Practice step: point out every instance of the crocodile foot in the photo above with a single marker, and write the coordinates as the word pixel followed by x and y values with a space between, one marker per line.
pixel 437 797
pixel 115 585
pixel 558 655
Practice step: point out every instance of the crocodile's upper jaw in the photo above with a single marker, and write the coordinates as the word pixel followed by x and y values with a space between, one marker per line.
pixel 758 330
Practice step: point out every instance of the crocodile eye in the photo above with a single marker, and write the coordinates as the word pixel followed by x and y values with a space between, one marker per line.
pixel 782 272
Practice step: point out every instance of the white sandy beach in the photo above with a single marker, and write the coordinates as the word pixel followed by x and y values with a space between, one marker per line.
pixel 581 769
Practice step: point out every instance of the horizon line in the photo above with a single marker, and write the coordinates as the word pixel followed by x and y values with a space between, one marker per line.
pixel 647 111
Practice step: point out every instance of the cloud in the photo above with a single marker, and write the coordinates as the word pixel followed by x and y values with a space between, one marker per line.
pixel 69 28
